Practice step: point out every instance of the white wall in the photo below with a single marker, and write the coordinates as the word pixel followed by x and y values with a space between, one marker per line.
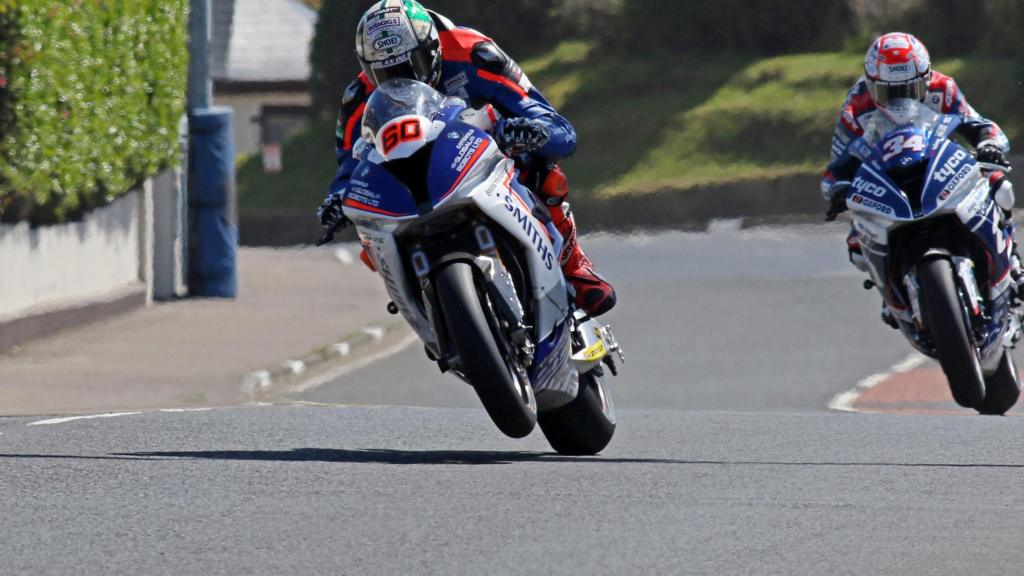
pixel 247 107
pixel 71 262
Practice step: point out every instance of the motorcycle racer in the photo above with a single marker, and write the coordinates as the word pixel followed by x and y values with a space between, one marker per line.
pixel 897 67
pixel 402 39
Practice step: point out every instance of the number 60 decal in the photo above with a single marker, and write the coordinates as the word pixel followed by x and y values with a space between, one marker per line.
pixel 405 131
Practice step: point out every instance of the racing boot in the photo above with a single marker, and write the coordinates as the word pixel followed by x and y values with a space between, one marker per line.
pixel 593 294
pixel 1002 193
pixel 854 250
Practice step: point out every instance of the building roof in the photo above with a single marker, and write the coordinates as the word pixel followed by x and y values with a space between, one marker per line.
pixel 260 41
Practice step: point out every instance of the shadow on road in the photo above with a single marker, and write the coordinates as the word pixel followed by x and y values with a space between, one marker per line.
pixel 381 456
pixel 461 457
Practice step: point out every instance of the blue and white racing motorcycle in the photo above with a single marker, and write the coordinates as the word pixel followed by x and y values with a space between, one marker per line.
pixel 936 249
pixel 470 260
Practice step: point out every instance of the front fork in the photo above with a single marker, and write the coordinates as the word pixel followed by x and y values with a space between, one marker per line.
pixel 500 299
pixel 977 314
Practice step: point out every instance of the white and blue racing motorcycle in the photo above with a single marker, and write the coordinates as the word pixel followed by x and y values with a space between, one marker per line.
pixel 470 260
pixel 936 249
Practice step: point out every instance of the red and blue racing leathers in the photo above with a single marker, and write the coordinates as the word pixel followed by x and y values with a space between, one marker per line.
pixel 944 97
pixel 476 70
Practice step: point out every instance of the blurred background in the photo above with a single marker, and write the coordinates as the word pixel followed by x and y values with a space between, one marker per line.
pixel 714 96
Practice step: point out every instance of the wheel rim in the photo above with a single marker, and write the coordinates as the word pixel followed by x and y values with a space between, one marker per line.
pixel 519 373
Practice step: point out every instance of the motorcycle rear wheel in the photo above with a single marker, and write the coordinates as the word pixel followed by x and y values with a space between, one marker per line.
pixel 1002 388
pixel 943 312
pixel 508 399
pixel 584 426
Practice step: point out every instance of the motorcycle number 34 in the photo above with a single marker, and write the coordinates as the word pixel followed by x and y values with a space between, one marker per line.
pixel 895 146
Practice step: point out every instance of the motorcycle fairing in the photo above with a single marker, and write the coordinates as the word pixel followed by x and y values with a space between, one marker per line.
pixel 374 190
pixel 950 170
pixel 874 192
pixel 454 157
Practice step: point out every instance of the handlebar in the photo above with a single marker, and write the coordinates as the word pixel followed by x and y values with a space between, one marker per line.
pixel 995 167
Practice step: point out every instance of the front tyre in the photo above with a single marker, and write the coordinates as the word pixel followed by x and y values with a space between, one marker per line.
pixel 1002 388
pixel 508 398
pixel 943 311
pixel 584 426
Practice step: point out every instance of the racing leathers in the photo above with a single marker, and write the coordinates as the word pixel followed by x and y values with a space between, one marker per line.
pixel 944 97
pixel 528 129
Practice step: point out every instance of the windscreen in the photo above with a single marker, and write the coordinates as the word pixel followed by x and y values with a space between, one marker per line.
pixel 396 98
pixel 898 114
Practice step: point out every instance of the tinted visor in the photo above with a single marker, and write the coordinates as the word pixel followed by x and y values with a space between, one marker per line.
pixel 883 93
pixel 414 65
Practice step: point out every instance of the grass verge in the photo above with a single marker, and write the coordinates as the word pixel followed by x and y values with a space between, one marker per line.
pixel 668 123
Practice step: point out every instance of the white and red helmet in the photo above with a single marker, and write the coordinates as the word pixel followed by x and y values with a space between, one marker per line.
pixel 897 66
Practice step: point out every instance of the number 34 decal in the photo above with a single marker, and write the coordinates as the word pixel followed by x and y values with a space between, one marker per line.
pixel 895 146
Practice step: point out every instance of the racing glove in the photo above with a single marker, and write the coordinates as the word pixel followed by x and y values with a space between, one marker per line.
pixel 516 136
pixel 991 155
pixel 330 213
pixel 837 199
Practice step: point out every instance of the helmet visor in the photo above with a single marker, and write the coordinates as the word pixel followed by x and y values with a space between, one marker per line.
pixel 885 92
pixel 414 65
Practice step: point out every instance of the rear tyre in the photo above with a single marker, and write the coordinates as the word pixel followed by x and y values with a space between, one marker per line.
pixel 1002 388
pixel 943 312
pixel 506 396
pixel 584 426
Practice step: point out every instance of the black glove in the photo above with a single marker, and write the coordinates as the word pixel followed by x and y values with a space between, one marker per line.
pixel 331 215
pixel 518 135
pixel 991 155
pixel 837 200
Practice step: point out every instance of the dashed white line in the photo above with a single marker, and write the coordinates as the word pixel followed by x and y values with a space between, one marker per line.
pixel 73 418
pixel 845 401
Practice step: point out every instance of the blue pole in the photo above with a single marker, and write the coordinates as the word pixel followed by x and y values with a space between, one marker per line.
pixel 213 237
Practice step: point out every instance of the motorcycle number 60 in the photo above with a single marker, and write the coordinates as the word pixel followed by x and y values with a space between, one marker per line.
pixel 401 132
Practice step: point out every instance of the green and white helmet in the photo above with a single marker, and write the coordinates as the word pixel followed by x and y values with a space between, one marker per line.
pixel 398 39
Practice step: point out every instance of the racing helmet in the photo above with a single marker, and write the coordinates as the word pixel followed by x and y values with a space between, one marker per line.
pixel 398 39
pixel 897 67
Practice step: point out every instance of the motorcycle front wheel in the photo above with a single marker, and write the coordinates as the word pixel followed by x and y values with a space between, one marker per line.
pixel 584 426
pixel 944 314
pixel 507 396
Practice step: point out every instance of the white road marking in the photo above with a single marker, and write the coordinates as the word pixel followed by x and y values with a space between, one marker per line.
pixel 179 410
pixel 322 379
pixel 845 401
pixel 725 225
pixel 296 367
pixel 73 418
pixel 344 256
pixel 259 380
pixel 375 332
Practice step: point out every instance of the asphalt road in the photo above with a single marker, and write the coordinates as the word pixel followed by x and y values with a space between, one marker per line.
pixel 725 461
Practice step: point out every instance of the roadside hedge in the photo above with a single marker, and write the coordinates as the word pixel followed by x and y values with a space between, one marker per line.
pixel 91 94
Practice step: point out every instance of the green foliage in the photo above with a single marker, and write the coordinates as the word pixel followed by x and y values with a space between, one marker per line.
pixel 91 93
pixel 309 165
pixel 954 27
pixel 522 28
pixel 764 27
